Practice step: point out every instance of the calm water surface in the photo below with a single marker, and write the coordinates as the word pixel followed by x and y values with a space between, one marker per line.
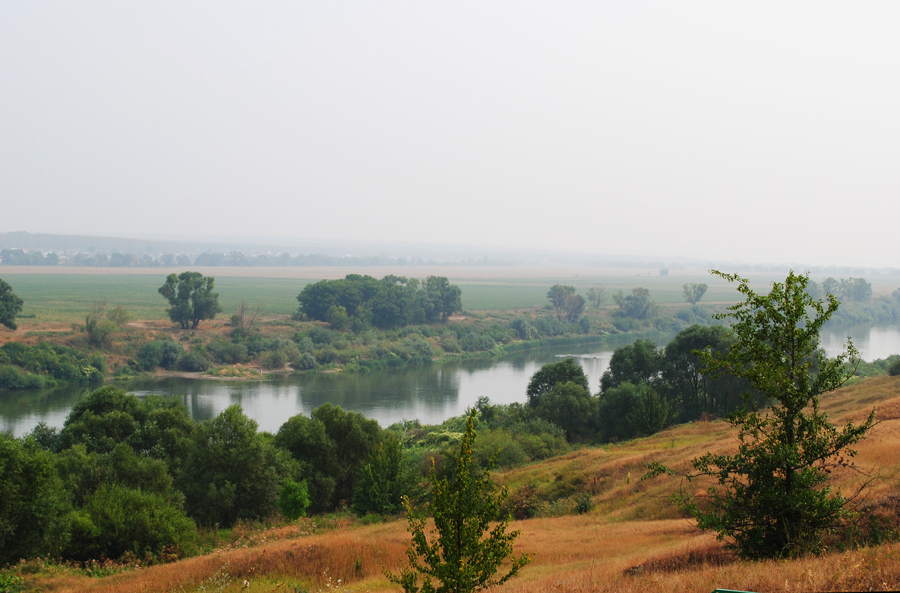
pixel 430 394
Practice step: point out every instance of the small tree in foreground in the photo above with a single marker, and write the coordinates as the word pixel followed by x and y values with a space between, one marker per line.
pixel 772 498
pixel 462 555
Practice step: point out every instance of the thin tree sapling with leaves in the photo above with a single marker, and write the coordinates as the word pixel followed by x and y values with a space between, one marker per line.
pixel 771 498
pixel 462 553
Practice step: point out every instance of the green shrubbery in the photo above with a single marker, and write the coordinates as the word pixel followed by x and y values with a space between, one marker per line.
pixel 27 367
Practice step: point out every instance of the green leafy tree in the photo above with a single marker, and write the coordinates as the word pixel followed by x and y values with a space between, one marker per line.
pixel 191 298
pixel 636 363
pixel 293 500
pixel 34 512
pixel 232 472
pixel 636 305
pixel 566 303
pixel 693 292
pixel 772 498
pixel 596 295
pixel 559 295
pixel 463 553
pixel 551 374
pixel 10 305
pixel 571 407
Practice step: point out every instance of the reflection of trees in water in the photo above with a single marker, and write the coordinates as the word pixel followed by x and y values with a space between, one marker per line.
pixel 430 386
pixel 30 406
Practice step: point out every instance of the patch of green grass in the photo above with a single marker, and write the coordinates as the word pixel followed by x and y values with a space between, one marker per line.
pixel 69 297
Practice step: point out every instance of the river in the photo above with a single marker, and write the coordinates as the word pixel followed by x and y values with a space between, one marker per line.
pixel 430 394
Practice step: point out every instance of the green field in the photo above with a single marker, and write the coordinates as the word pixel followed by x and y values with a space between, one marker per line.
pixel 66 297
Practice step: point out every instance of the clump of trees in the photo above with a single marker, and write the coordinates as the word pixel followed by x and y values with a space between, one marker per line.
pixel 359 302
pixel 637 305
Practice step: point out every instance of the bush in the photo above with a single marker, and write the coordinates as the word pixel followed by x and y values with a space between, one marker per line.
pixel 227 352
pixel 273 359
pixel 14 378
pixel 304 362
pixel 192 362
pixel 117 520
pixel 159 353
pixel 894 369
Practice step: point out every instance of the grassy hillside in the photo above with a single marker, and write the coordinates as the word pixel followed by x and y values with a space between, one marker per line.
pixel 631 540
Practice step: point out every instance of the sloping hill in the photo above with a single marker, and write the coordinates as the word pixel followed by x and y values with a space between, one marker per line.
pixel 632 539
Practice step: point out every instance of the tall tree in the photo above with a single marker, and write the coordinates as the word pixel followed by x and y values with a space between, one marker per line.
pixel 693 292
pixel 596 295
pixel 559 295
pixel 772 498
pixel 552 374
pixel 10 305
pixel 191 298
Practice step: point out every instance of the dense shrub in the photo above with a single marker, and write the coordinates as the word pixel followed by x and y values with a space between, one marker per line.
pixel 894 369
pixel 192 362
pixel 54 361
pixel 15 378
pixel 225 352
pixel 115 520
pixel 159 353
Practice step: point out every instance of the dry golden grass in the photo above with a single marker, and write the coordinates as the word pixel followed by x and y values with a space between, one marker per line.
pixel 633 540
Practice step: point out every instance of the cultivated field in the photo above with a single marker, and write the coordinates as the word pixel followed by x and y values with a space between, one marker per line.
pixel 66 295
pixel 632 540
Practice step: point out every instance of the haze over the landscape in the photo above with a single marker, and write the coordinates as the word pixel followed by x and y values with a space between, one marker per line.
pixel 762 132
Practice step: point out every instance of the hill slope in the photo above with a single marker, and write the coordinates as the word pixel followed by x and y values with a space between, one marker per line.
pixel 632 539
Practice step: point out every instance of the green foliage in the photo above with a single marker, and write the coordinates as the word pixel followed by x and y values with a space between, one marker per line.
pixel 192 361
pixel 639 362
pixel 10 305
pixel 159 353
pixel 566 303
pixel 100 325
pixel 549 375
pixel 597 295
pixel 383 480
pixel 693 292
pixel 772 498
pixel 34 510
pixel 293 499
pixel 571 407
pixel 690 390
pixel 894 369
pixel 191 298
pixel 232 472
pixel 394 301
pixel 636 305
pixel 465 553
pixel 116 519
pixel 848 289
pixel 47 361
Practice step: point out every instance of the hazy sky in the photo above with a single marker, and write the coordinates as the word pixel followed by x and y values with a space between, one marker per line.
pixel 760 131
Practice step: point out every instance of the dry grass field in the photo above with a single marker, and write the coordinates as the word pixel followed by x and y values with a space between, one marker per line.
pixel 632 540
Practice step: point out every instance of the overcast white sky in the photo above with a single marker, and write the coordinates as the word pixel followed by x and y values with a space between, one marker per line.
pixel 759 131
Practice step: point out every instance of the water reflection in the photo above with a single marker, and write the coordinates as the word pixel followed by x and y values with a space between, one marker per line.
pixel 430 394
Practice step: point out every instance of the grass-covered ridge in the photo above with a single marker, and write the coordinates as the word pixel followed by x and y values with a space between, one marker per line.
pixel 631 539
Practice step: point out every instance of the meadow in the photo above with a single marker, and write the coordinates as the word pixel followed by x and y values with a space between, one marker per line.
pixel 631 540
pixel 66 295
